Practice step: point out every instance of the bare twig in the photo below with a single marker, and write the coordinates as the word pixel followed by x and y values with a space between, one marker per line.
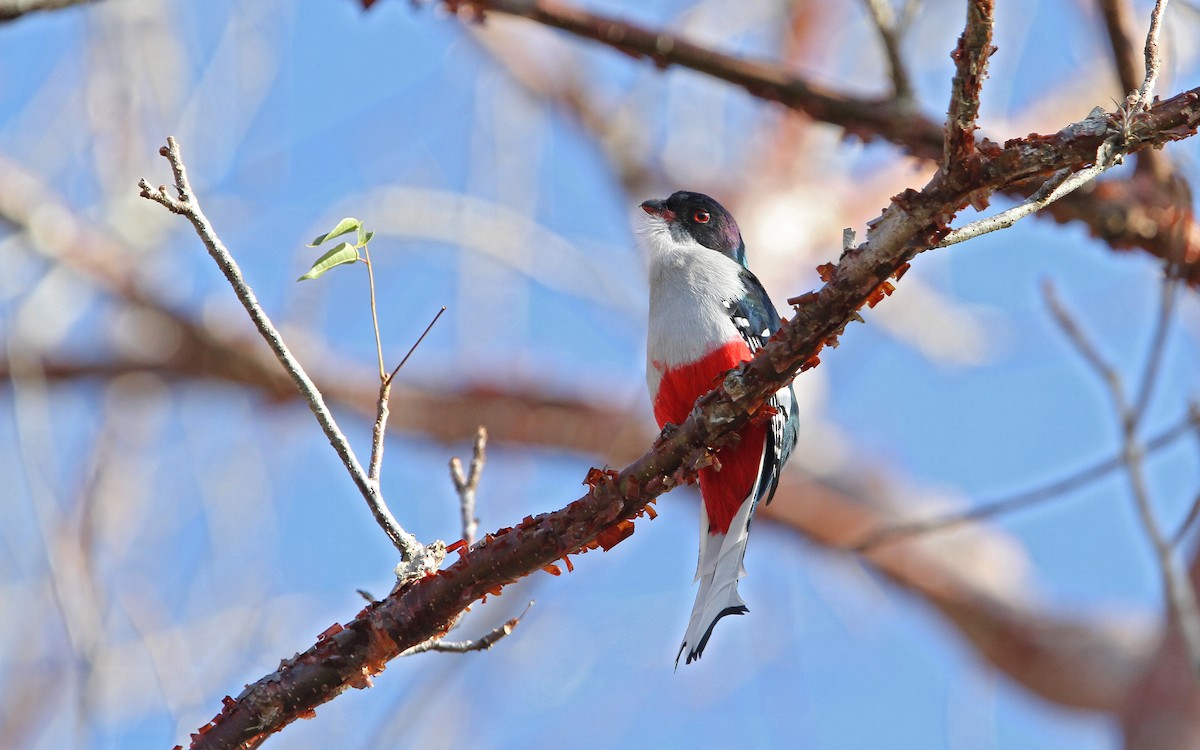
pixel 890 31
pixel 482 643
pixel 412 552
pixel 378 430
pixel 1158 345
pixel 1058 488
pixel 970 59
pixel 413 348
pixel 1119 23
pixel 1180 597
pixel 467 484
pixel 1182 532
pixel 1083 344
pixel 385 388
pixel 1145 94
pixel 1060 185
pixel 374 310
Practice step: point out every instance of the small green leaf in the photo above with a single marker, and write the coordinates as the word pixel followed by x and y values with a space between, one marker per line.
pixel 339 256
pixel 345 226
pixel 364 237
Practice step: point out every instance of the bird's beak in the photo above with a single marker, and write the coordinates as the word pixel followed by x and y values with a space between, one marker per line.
pixel 658 209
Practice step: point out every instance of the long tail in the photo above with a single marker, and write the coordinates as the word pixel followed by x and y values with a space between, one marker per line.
pixel 718 572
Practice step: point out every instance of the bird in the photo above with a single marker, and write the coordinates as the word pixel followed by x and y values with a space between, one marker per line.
pixel 708 313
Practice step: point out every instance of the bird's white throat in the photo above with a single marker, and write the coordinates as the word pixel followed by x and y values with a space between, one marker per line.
pixel 689 286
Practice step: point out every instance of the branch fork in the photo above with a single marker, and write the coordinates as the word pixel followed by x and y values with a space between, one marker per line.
pixel 415 559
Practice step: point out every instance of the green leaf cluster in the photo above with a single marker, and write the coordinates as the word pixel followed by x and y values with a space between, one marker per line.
pixel 342 253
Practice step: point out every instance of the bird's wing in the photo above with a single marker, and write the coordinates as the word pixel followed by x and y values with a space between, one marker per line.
pixel 757 320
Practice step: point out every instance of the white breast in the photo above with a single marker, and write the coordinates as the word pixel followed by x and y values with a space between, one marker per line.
pixel 689 284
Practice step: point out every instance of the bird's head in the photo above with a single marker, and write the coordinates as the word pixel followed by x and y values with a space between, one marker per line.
pixel 694 217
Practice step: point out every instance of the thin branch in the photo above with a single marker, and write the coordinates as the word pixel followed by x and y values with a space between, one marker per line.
pixel 1182 532
pixel 1087 350
pixel 1059 186
pixel 186 204
pixel 890 31
pixel 413 348
pixel 1008 504
pixel 970 60
pixel 1120 25
pixel 382 412
pixel 1194 512
pixel 1145 94
pixel 907 15
pixel 482 643
pixel 1180 597
pixel 1158 345
pixel 467 484
pixel 374 310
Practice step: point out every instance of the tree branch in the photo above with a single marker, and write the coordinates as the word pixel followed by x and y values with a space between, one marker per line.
pixel 1056 188
pixel 483 643
pixel 890 30
pixel 411 551
pixel 970 61
pixel 382 410
pixel 1145 94
pixel 467 484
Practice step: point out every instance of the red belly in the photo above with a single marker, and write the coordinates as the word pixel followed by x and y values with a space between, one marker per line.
pixel 723 491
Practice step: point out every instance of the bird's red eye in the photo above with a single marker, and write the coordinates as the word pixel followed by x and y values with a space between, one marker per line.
pixel 701 216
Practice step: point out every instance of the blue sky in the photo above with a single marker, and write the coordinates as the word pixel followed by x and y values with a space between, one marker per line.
pixel 242 534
